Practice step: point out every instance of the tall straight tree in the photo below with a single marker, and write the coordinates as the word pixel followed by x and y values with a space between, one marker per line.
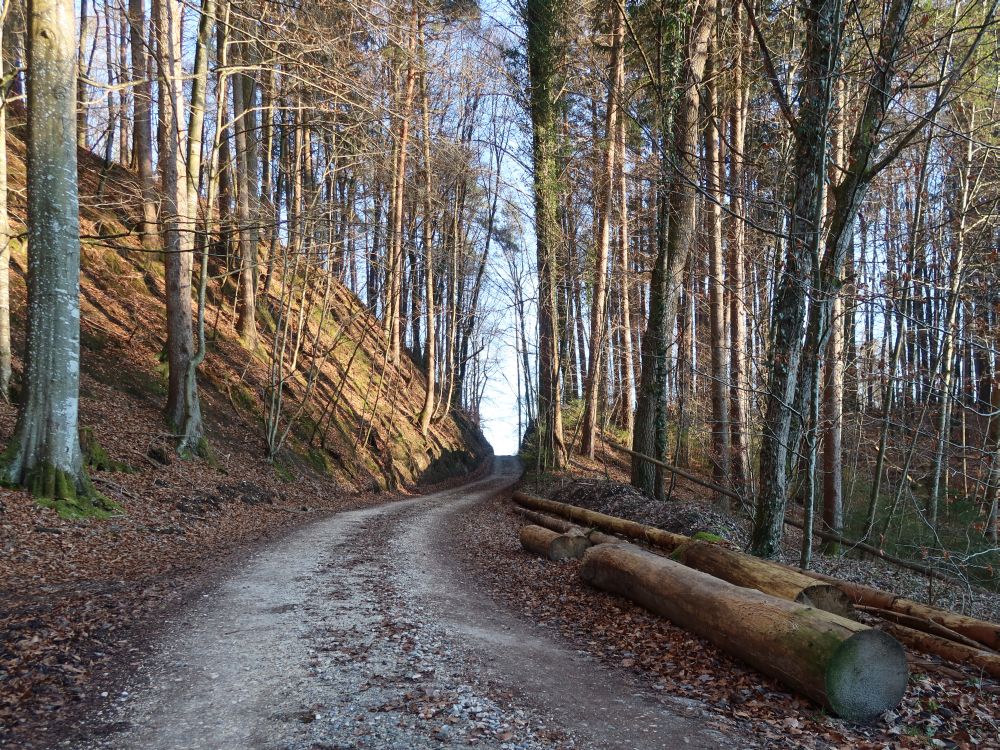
pixel 714 174
pixel 605 200
pixel 142 121
pixel 823 20
pixel 183 409
pixel 545 23
pixel 5 234
pixel 44 453
pixel 678 196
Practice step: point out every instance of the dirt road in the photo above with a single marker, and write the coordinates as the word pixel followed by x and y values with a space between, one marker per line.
pixel 362 630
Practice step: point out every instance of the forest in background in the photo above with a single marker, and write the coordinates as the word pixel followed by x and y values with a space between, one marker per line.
pixel 765 236
pixel 768 251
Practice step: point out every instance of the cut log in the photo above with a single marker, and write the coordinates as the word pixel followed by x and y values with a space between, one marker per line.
pixel 553 545
pixel 855 671
pixel 611 524
pixel 563 527
pixel 924 626
pixel 954 652
pixel 750 572
pixel 980 631
pixel 549 522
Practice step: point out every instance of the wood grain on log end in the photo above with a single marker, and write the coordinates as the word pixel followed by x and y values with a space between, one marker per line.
pixel 866 675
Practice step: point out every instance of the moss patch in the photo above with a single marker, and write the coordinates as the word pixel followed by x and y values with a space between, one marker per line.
pixel 69 496
pixel 708 536
pixel 96 458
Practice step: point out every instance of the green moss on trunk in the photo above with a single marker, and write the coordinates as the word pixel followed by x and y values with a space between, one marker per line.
pixel 96 457
pixel 69 496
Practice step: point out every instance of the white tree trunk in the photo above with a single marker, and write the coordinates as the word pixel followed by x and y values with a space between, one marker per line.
pixel 44 453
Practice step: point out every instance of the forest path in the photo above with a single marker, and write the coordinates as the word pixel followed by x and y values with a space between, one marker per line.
pixel 363 630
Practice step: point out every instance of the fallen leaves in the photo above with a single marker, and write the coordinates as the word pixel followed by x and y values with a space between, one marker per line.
pixel 936 709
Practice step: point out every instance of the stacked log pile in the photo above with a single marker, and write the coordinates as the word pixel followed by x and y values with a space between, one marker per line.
pixel 797 626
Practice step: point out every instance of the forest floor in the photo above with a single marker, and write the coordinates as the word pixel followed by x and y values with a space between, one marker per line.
pixel 949 708
pixel 421 623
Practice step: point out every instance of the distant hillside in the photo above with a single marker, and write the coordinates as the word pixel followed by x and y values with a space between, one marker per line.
pixel 358 425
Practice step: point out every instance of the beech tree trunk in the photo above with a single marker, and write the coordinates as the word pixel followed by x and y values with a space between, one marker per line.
pixel 183 409
pixel 855 671
pixel 5 234
pixel 44 453
pixel 430 355
pixel 244 89
pixel 142 125
pixel 606 190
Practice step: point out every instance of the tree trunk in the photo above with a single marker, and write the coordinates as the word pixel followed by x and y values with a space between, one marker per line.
pixel 981 631
pixel 5 234
pixel 243 87
pixel 612 524
pixel 552 544
pixel 430 357
pixel 678 188
pixel 750 572
pixel 81 72
pixel 605 201
pixel 719 383
pixel 183 409
pixel 738 401
pixel 833 430
pixel 142 126
pixel 954 652
pixel 823 21
pixel 564 527
pixel 44 453
pixel 854 670
pixel 625 284
pixel 544 20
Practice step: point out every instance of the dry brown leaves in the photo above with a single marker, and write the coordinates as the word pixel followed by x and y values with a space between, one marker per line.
pixel 937 711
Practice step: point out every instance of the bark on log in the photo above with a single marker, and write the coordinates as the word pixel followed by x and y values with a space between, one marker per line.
pixel 981 631
pixel 856 671
pixel 553 545
pixel 924 626
pixel 611 524
pixel 564 527
pixel 750 572
pixel 954 652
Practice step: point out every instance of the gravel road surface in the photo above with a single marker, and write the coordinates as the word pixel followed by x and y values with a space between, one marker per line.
pixel 363 630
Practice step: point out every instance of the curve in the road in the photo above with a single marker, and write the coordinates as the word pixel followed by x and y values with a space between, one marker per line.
pixel 363 630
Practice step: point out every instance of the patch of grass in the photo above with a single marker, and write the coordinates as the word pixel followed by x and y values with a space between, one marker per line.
pixel 906 531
